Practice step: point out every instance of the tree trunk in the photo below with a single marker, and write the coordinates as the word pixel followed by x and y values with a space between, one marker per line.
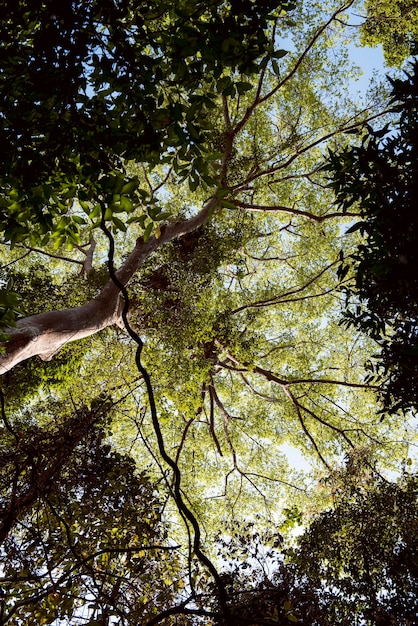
pixel 44 334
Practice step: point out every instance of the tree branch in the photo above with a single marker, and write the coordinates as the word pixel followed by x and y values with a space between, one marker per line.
pixel 285 209
pixel 284 297
pixel 46 333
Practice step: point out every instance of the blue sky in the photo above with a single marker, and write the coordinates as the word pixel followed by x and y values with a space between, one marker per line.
pixel 370 60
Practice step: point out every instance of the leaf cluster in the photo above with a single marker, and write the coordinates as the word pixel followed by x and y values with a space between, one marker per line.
pixel 360 558
pixel 355 563
pixel 394 25
pixel 10 303
pixel 380 177
pixel 87 87
pixel 80 527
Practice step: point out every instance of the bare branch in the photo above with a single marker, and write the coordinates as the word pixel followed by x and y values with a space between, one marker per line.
pixel 284 385
pixel 227 117
pixel 322 139
pixel 306 51
pixel 183 438
pixel 264 396
pixel 275 480
pixel 88 261
pixel 212 420
pixel 3 267
pixel 302 423
pixel 256 208
pixel 60 257
pixel 316 417
pixel 284 297
pixel 226 418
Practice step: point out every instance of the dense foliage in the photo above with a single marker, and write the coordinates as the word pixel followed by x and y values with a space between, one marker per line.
pixel 355 564
pixel 85 85
pixel 380 176
pixel 360 559
pixel 394 25
pixel 79 525
pixel 170 253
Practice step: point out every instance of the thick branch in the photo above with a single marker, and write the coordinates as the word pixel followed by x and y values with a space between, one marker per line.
pixel 46 333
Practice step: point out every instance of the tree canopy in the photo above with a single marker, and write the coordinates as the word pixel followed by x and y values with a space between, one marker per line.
pixel 360 558
pixel 381 175
pixel 394 25
pixel 171 302
pixel 356 563
pixel 87 85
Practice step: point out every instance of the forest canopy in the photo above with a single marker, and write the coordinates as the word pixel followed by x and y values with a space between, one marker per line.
pixel 179 237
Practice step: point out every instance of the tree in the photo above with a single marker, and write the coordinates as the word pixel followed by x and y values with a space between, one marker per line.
pixel 394 25
pixel 380 177
pixel 79 526
pixel 66 158
pixel 180 172
pixel 354 563
pixel 86 80
pixel 360 559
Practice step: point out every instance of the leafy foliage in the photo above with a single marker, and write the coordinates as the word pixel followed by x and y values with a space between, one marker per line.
pixel 360 559
pixel 381 177
pixel 78 525
pixel 9 306
pixel 85 86
pixel 394 24
pixel 186 152
pixel 354 563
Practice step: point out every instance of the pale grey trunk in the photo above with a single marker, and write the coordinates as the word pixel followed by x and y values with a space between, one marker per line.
pixel 44 334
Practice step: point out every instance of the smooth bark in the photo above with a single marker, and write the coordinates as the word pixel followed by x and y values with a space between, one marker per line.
pixel 45 334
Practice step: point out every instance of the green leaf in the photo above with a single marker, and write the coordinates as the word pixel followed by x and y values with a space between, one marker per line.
pixel 279 54
pixel 227 204
pixel 78 219
pixel 162 216
pixel 355 227
pixel 243 87
pixel 148 231
pixel 119 224
pixel 275 67
pixel 96 211
pixel 126 204
pixel 130 186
